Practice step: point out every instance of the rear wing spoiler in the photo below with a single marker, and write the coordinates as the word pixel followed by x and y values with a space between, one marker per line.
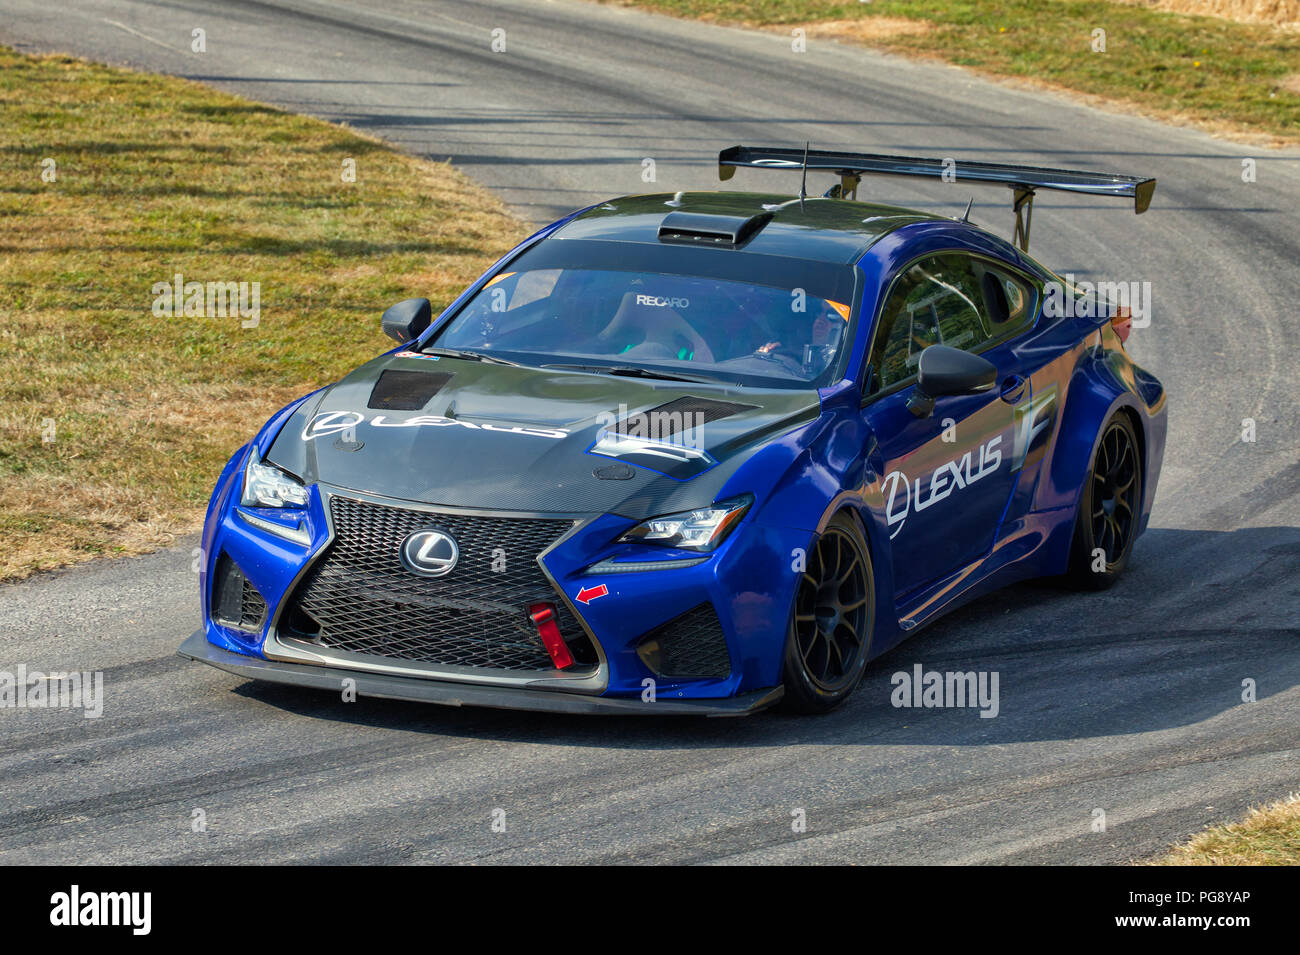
pixel 1023 180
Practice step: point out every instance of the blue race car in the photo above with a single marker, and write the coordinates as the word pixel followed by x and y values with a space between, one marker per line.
pixel 692 453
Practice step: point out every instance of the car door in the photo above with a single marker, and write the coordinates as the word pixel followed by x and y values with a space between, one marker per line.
pixel 947 476
pixel 1013 304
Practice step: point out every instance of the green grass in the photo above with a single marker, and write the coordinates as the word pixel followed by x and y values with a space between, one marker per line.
pixel 1269 835
pixel 1231 77
pixel 154 176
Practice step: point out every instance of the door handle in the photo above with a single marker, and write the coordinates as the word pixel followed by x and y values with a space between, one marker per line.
pixel 1013 388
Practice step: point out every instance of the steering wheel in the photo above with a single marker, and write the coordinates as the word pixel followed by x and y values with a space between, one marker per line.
pixel 786 361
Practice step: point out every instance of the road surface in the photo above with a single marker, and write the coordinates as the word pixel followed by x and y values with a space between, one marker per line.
pixel 1128 703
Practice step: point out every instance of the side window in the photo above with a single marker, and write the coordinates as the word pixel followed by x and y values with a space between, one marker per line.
pixel 1010 303
pixel 937 301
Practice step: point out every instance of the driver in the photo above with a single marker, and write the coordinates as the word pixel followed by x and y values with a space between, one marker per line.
pixel 812 342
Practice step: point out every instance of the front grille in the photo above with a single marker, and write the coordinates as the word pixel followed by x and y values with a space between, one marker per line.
pixel 690 646
pixel 235 601
pixel 359 598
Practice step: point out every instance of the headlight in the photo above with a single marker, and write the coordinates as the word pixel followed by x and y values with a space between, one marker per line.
pixel 702 530
pixel 266 486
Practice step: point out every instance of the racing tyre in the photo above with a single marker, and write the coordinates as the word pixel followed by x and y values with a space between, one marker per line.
pixel 830 624
pixel 1109 508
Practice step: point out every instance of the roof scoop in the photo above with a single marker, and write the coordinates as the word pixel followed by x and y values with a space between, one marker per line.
pixel 702 229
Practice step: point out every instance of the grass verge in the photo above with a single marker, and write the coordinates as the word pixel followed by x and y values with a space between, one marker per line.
pixel 1239 79
pixel 1269 835
pixel 114 421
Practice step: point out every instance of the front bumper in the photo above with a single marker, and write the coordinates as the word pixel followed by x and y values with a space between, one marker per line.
pixel 421 690
pixel 746 583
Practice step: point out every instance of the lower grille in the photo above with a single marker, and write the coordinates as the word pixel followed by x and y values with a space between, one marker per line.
pixel 690 646
pixel 235 601
pixel 359 598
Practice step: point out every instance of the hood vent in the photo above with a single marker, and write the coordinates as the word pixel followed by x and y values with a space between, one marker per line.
pixel 676 417
pixel 405 390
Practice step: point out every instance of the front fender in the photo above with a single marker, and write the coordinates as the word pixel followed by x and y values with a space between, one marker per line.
pixel 837 471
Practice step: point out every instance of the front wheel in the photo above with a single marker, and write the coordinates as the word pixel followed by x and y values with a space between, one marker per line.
pixel 1109 507
pixel 830 624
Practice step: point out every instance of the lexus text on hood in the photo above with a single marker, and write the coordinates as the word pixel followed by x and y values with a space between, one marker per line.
pixel 465 434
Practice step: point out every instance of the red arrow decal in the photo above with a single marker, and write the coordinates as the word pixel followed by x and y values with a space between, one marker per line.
pixel 587 594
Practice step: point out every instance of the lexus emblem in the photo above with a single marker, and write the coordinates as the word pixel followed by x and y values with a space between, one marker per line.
pixel 430 552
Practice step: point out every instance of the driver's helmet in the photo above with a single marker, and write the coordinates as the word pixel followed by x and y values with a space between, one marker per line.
pixel 808 338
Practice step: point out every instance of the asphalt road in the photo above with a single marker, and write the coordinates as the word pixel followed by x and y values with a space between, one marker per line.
pixel 1128 702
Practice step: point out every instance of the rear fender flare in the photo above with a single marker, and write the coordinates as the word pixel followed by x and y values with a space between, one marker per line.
pixel 1093 398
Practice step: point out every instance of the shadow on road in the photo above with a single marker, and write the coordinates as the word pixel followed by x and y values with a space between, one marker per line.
pixel 1198 613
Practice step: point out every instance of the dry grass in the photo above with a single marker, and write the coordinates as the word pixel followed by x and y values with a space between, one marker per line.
pixel 155 176
pixel 1269 835
pixel 865 30
pixel 1279 13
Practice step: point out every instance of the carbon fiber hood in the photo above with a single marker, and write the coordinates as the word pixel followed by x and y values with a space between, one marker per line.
pixel 464 433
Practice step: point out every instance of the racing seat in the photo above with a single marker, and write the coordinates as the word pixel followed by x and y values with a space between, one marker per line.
pixel 655 331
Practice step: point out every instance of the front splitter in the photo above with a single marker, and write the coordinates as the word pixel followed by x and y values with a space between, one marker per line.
pixel 446 693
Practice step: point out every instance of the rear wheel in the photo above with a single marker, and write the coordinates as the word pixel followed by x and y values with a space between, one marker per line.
pixel 1108 509
pixel 830 625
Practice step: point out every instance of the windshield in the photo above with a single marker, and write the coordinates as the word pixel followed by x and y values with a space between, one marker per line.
pixel 694 326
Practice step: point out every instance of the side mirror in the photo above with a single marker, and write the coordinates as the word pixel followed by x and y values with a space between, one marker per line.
pixel 407 319
pixel 949 371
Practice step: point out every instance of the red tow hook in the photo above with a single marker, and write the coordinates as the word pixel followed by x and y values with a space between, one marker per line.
pixel 543 617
